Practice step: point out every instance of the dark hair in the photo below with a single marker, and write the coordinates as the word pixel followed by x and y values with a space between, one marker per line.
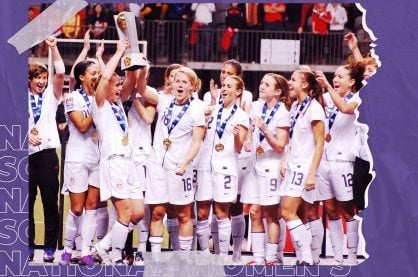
pixel 314 88
pixel 80 69
pixel 356 72
pixel 281 83
pixel 236 65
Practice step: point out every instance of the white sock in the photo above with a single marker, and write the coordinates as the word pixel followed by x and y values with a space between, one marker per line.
pixel 203 233
pixel 215 234
pixel 224 233
pixel 143 230
pixel 317 230
pixel 282 239
pixel 336 235
pixel 238 230
pixel 119 235
pixel 78 239
pixel 71 229
pixel 155 244
pixel 194 221
pixel 258 245
pixel 301 238
pixel 102 222
pixel 106 241
pixel 185 243
pixel 352 240
pixel 88 229
pixel 271 252
pixel 173 233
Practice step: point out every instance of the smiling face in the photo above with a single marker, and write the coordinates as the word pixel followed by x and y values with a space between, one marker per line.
pixel 182 87
pixel 229 91
pixel 342 81
pixel 114 89
pixel 90 78
pixel 38 84
pixel 227 70
pixel 296 84
pixel 268 88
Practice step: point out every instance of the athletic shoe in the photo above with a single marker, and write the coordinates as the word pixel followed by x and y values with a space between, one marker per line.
pixel 139 260
pixel 101 255
pixel 120 262
pixel 303 263
pixel 49 255
pixel 128 259
pixel 254 262
pixel 65 258
pixel 274 262
pixel 86 260
pixel 236 259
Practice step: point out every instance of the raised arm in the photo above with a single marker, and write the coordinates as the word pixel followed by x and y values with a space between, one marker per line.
pixel 99 56
pixel 353 45
pixel 81 57
pixel 58 81
pixel 108 72
pixel 342 106
pixel 146 111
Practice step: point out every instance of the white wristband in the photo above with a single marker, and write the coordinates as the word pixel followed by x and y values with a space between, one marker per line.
pixel 59 67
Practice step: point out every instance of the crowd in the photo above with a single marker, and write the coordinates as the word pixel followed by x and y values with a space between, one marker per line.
pixel 223 27
pixel 207 163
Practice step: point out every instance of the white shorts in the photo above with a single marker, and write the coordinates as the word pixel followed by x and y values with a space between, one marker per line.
pixel 294 185
pixel 335 179
pixel 141 171
pixel 225 188
pixel 195 178
pixel 165 186
pixel 118 179
pixel 264 191
pixel 78 176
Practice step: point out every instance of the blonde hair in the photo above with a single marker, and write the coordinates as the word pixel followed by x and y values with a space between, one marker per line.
pixel 191 74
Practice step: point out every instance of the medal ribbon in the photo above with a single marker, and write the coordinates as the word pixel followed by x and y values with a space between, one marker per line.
pixel 334 114
pixel 86 99
pixel 36 109
pixel 270 117
pixel 167 118
pixel 220 128
pixel 302 107
pixel 120 116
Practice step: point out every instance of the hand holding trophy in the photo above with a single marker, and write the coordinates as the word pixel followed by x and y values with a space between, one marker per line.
pixel 126 27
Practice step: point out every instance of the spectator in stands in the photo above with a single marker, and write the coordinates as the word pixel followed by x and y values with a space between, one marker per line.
pixel 234 21
pixel 203 21
pixel 292 17
pixel 97 22
pixel 153 30
pixel 179 14
pixel 116 9
pixel 321 19
pixel 71 28
pixel 336 28
pixel 253 14
pixel 273 16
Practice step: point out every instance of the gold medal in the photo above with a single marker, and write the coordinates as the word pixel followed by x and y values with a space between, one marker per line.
pixel 328 137
pixel 219 147
pixel 95 136
pixel 259 150
pixel 34 131
pixel 125 140
pixel 167 142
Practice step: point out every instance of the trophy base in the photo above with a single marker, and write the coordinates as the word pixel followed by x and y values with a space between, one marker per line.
pixel 132 62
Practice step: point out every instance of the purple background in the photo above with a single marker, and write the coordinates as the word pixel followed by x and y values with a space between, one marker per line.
pixel 390 99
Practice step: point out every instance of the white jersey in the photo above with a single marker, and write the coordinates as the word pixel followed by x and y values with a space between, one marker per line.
pixel 342 131
pixel 180 136
pixel 139 133
pixel 111 133
pixel 226 161
pixel 302 143
pixel 267 164
pixel 81 147
pixel 46 125
pixel 196 159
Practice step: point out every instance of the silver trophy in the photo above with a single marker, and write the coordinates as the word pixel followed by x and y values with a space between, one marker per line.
pixel 126 26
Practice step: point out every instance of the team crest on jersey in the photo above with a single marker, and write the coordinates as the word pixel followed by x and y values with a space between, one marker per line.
pixel 119 186
pixel 69 103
